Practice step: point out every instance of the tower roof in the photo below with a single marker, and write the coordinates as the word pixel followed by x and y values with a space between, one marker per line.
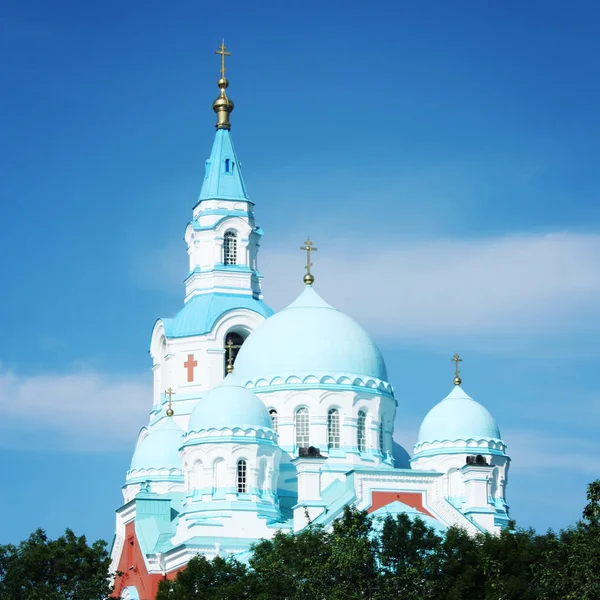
pixel 223 178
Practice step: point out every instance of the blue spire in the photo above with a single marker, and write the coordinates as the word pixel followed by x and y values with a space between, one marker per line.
pixel 223 179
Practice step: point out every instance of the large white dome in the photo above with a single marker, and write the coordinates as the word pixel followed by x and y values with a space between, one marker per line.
pixel 309 337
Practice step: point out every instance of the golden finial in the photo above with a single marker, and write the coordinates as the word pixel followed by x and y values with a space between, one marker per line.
pixel 170 411
pixel 457 359
pixel 308 247
pixel 223 105
pixel 230 346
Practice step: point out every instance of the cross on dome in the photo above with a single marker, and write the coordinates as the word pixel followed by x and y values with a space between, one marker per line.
pixel 308 247
pixel 223 105
pixel 222 50
pixel 169 393
pixel 230 347
pixel 456 359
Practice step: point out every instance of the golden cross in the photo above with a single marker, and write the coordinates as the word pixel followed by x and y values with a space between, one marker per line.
pixel 223 52
pixel 230 346
pixel 456 359
pixel 169 393
pixel 308 247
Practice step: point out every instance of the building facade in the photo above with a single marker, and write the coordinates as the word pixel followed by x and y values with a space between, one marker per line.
pixel 244 440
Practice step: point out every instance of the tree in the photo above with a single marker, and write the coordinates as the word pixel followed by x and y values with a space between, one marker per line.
pixel 292 566
pixel 455 572
pixel 405 556
pixel 63 569
pixel 571 564
pixel 225 579
pixel 352 562
pixel 508 562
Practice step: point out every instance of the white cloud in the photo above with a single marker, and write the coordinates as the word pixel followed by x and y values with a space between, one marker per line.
pixel 532 449
pixel 84 411
pixel 526 284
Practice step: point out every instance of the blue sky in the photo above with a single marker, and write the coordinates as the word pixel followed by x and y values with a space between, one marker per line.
pixel 443 156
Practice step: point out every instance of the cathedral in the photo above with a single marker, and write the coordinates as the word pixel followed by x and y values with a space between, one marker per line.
pixel 244 440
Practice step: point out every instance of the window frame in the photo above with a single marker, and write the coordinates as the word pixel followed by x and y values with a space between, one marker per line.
pixel 361 431
pixel 334 429
pixel 274 419
pixel 230 247
pixel 241 476
pixel 299 436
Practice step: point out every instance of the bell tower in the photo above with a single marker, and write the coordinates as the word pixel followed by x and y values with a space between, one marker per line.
pixel 223 297
pixel 222 238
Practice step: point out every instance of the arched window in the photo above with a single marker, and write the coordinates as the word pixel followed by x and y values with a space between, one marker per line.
pixel 274 419
pixel 236 341
pixel 333 428
pixel 494 484
pixel 219 483
pixel 230 248
pixel 130 592
pixel 302 428
pixel 227 165
pixel 189 478
pixel 381 439
pixel 361 431
pixel 242 480
pixel 198 475
pixel 455 486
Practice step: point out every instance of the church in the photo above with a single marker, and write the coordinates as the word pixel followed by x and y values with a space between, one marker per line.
pixel 244 440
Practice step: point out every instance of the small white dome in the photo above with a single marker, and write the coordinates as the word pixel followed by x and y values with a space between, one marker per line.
pixel 229 405
pixel 458 417
pixel 160 448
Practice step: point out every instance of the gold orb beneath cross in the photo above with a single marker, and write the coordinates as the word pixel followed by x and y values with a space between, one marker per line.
pixel 170 412
pixel 309 279
pixel 457 380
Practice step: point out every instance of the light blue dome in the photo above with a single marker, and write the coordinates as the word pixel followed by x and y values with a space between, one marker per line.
pixel 458 417
pixel 229 405
pixel 309 337
pixel 160 448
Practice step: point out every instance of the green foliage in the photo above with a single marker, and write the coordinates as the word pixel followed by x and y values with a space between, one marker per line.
pixel 352 562
pixel 406 558
pixel 63 569
pixel 292 566
pixel 226 579
pixel 358 558
pixel 570 568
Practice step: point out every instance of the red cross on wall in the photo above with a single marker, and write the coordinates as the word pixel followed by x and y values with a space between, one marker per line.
pixel 189 365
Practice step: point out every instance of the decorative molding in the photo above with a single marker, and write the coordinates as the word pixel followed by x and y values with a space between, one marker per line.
pixel 324 381
pixel 430 485
pixel 450 515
